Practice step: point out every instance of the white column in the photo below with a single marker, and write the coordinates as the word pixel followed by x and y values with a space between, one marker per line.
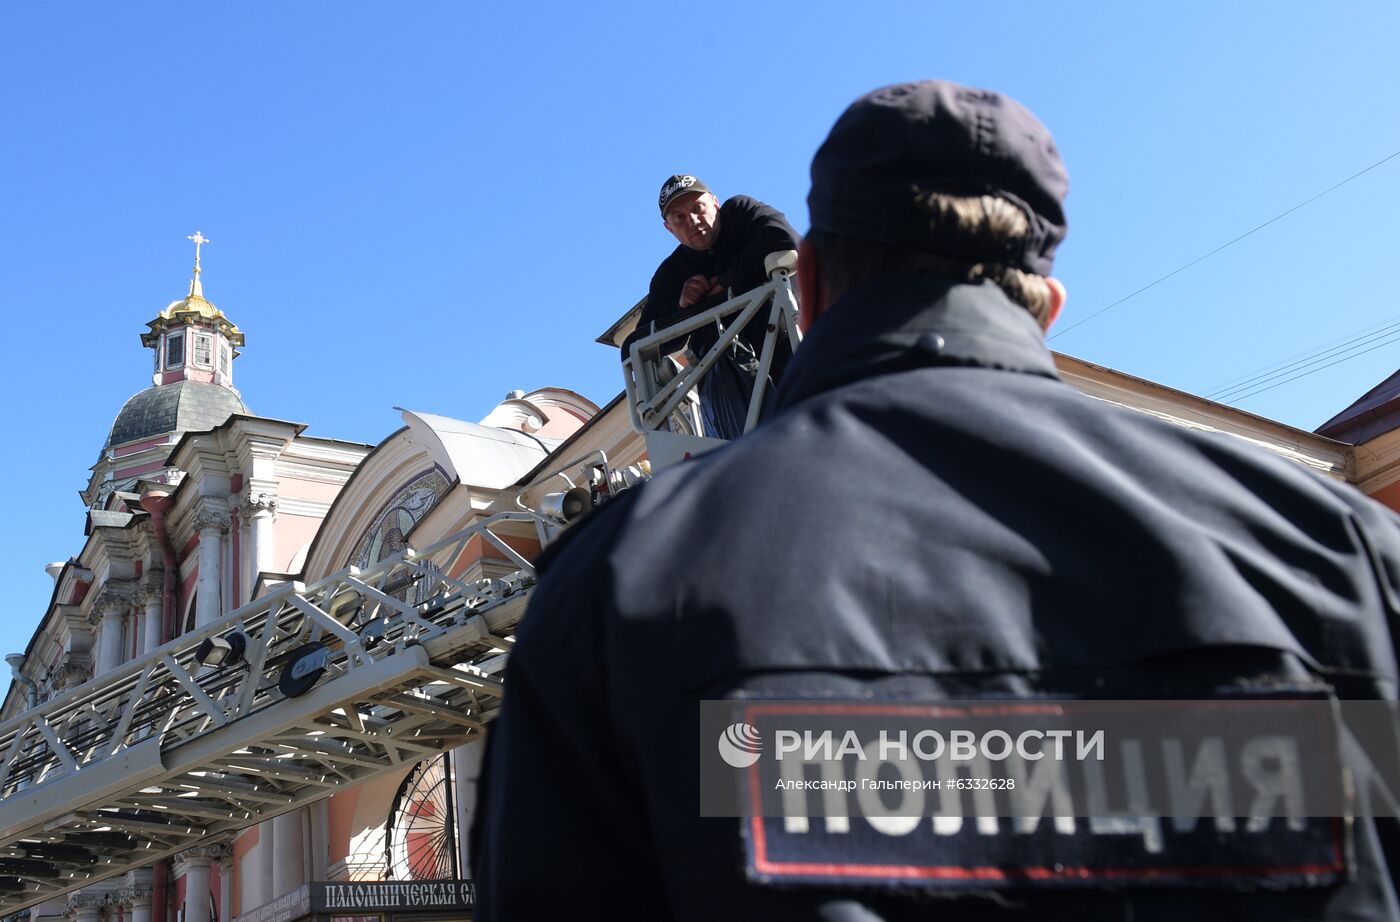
pixel 151 623
pixel 227 577
pixel 289 871
pixel 208 606
pixel 250 886
pixel 194 867
pixel 110 611
pixel 225 886
pixel 264 544
pixel 246 576
pixel 319 816
pixel 266 862
pixel 260 512
pixel 137 894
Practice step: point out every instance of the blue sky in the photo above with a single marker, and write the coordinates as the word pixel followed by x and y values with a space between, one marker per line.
pixel 429 204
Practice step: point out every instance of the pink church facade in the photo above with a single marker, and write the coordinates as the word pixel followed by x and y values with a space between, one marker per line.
pixel 198 505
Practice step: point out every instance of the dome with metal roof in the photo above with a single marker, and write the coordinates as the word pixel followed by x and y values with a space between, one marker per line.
pixel 181 406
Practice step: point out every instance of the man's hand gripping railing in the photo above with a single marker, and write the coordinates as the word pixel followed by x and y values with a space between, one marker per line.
pixel 651 402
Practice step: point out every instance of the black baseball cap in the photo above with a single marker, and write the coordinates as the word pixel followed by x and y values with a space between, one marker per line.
pixel 936 136
pixel 679 184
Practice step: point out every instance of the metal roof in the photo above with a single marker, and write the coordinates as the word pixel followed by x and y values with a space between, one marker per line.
pixel 182 406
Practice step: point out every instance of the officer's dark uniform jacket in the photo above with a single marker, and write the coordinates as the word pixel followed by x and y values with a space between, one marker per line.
pixel 932 513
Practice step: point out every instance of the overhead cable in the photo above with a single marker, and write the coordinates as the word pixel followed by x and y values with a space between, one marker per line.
pixel 1223 246
pixel 1308 353
pixel 1303 374
pixel 1305 361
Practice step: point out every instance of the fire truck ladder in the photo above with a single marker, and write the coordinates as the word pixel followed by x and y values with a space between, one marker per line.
pixel 277 704
pixel 655 391
pixel 310 688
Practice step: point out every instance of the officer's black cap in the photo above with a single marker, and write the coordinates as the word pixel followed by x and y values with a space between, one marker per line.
pixel 934 136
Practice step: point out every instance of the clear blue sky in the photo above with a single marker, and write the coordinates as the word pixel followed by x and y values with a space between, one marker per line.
pixel 429 204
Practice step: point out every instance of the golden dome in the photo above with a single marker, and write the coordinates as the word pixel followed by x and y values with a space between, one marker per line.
pixel 193 304
pixel 193 308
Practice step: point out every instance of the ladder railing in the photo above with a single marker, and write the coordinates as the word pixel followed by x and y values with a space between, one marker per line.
pixel 320 686
pixel 652 395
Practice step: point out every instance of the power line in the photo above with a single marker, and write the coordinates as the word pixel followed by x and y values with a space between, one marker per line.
pixel 1269 387
pixel 1247 233
pixel 1306 361
pixel 1274 380
pixel 1308 353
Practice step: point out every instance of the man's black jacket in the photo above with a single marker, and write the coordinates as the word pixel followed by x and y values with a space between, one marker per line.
pixel 748 231
pixel 931 513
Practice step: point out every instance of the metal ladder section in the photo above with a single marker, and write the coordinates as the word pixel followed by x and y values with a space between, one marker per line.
pixel 330 684
pixel 654 395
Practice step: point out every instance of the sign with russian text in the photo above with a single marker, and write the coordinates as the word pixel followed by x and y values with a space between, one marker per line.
pixel 362 897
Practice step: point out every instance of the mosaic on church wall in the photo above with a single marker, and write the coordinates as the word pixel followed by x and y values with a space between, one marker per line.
pixel 387 535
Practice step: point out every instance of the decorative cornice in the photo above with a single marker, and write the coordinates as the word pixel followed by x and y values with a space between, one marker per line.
pixel 209 519
pixel 194 858
pixel 137 890
pixel 72 615
pixel 99 615
pixel 260 504
pixel 307 507
pixel 114 597
pixel 201 855
pixel 70 674
pixel 138 894
pixel 89 900
pixel 262 447
pixel 334 469
pixel 121 587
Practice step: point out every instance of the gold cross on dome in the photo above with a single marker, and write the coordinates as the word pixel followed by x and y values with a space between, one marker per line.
pixel 198 239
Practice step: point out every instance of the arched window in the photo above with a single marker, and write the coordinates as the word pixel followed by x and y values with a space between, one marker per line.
pixel 420 837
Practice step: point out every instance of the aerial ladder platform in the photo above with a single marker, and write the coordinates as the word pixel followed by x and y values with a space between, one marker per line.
pixel 277 704
pixel 313 688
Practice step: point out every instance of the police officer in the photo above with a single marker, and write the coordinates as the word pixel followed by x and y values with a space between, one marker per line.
pixel 931 514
